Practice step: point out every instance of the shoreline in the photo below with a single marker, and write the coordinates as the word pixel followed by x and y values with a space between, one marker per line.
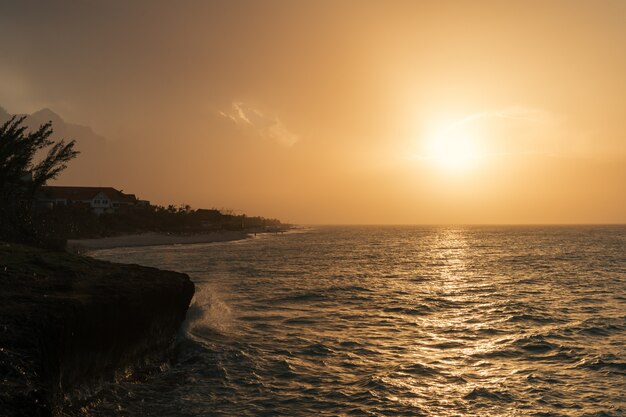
pixel 83 246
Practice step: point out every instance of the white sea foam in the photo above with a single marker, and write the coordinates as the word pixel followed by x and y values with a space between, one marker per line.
pixel 208 313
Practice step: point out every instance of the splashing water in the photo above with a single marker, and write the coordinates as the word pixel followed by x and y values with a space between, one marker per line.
pixel 207 313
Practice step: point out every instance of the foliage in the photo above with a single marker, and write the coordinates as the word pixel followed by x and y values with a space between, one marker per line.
pixel 73 222
pixel 21 175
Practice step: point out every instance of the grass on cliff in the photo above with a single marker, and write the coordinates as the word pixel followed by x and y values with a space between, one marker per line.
pixel 20 261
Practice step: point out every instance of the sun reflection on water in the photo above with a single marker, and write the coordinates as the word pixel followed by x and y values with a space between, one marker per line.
pixel 442 321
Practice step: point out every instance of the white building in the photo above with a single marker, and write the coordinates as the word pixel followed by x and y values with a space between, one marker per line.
pixel 100 199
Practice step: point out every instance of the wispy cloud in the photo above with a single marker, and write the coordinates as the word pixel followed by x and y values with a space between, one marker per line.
pixel 264 125
pixel 532 115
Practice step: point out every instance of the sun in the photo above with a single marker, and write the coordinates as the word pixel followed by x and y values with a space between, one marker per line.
pixel 455 149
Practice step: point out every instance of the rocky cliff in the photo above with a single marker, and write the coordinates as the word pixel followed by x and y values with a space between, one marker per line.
pixel 66 321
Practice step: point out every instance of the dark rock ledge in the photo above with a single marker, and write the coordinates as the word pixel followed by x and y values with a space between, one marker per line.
pixel 67 320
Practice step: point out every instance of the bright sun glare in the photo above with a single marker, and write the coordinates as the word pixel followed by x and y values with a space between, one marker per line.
pixel 454 149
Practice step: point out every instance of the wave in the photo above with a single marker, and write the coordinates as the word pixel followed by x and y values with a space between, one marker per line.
pixel 524 317
pixel 409 311
pixel 532 347
pixel 318 349
pixel 300 320
pixel 418 369
pixel 302 296
pixel 606 362
pixel 208 314
pixel 351 292
pixel 482 393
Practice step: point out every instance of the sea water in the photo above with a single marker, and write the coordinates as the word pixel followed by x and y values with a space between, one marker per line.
pixel 392 321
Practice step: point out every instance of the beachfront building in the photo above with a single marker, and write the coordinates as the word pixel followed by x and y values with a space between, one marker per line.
pixel 100 199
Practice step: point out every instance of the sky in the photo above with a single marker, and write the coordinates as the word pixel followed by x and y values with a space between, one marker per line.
pixel 337 112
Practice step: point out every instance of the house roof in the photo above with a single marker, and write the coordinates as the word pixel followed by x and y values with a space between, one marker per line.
pixel 85 193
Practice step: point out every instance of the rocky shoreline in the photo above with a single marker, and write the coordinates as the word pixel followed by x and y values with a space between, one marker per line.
pixel 68 321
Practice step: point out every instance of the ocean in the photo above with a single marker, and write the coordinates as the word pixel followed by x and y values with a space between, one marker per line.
pixel 391 321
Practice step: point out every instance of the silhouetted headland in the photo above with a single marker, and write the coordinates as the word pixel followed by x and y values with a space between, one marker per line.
pixel 70 322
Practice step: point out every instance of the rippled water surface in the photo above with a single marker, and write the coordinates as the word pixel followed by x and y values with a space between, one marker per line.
pixel 377 321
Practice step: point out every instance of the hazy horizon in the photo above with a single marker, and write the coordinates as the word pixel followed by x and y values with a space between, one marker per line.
pixel 336 113
pixel 458 224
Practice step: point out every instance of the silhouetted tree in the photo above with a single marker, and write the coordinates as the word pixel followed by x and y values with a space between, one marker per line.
pixel 21 176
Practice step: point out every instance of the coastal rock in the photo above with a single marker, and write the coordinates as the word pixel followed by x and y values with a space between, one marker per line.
pixel 66 321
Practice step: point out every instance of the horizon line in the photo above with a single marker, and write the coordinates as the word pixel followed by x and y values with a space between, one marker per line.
pixel 456 224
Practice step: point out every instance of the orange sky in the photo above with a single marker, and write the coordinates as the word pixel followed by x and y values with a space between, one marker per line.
pixel 386 112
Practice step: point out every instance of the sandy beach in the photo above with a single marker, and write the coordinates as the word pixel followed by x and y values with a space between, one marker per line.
pixel 151 239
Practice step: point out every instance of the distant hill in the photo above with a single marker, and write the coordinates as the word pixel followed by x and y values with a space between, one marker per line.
pixel 90 167
pixel 83 134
